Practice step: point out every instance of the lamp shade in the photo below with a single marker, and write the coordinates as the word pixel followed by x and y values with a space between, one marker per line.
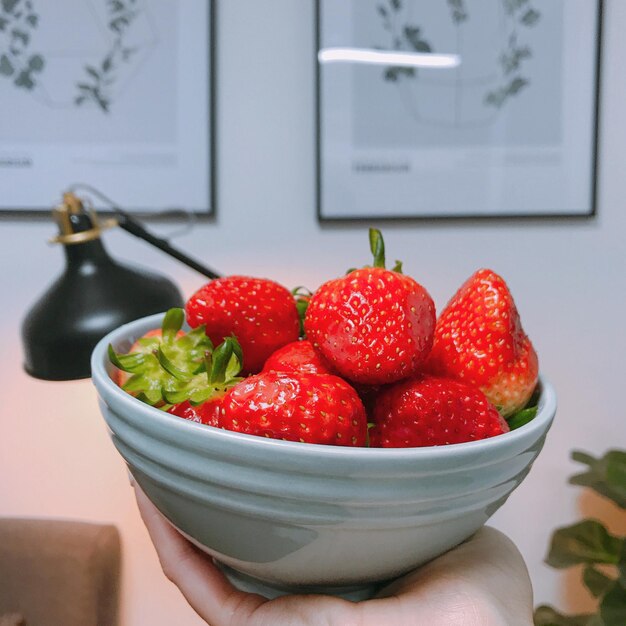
pixel 94 295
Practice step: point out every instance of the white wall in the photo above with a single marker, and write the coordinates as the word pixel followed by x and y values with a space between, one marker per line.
pixel 567 277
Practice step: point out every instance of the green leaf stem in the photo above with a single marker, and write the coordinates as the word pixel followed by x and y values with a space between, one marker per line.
pixel 377 246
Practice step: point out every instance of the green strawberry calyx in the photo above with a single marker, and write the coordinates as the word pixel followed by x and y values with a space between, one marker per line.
pixel 176 367
pixel 302 296
pixel 526 414
pixel 377 247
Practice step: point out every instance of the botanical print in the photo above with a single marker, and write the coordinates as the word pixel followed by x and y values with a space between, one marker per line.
pixel 18 63
pixel 102 78
pixel 118 39
pixel 507 129
pixel 115 94
pixel 506 90
pixel 409 37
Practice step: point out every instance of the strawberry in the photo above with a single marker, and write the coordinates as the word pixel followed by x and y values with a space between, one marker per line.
pixel 305 407
pixel 205 413
pixel 430 411
pixel 297 356
pixel 260 313
pixel 373 325
pixel 171 367
pixel 479 339
pixel 187 411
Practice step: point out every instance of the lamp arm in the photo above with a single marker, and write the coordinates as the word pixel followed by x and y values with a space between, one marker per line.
pixel 132 226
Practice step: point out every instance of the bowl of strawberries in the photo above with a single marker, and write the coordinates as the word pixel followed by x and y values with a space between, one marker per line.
pixel 327 441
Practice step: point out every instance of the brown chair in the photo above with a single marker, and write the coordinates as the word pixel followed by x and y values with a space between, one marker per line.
pixel 59 573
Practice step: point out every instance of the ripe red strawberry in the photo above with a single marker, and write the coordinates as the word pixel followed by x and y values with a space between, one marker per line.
pixel 479 339
pixel 430 411
pixel 297 356
pixel 373 325
pixel 206 413
pixel 310 408
pixel 187 411
pixel 260 313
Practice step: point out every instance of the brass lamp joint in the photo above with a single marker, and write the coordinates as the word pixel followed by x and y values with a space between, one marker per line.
pixel 73 205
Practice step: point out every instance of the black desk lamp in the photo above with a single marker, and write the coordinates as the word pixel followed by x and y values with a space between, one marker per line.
pixel 94 295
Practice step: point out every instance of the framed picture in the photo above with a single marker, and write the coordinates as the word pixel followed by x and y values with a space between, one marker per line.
pixel 457 108
pixel 115 94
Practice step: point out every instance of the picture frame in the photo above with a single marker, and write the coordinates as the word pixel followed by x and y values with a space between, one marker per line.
pixel 117 95
pixel 513 134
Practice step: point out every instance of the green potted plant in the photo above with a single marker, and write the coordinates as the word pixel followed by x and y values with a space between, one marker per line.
pixel 590 544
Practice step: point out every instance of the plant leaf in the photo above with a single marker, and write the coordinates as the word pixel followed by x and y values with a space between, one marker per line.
pixel 586 542
pixel 238 354
pixel 9 5
pixel 597 583
pixel 171 368
pixel 172 323
pixel 613 606
pixel 175 396
pixel 150 396
pixel 92 71
pixel 198 396
pixel 36 63
pixel 24 79
pixel 583 457
pixel 227 359
pixel 391 74
pixel 530 18
pixel 126 362
pixel 6 67
pixel 516 85
pixel 377 246
pixel 137 382
pixel 302 304
pixel 413 35
pixel 547 616
pixel 606 476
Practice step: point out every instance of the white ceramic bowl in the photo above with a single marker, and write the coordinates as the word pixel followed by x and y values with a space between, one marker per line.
pixel 284 516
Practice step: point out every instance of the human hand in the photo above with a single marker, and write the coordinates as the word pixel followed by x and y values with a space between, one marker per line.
pixel 482 582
